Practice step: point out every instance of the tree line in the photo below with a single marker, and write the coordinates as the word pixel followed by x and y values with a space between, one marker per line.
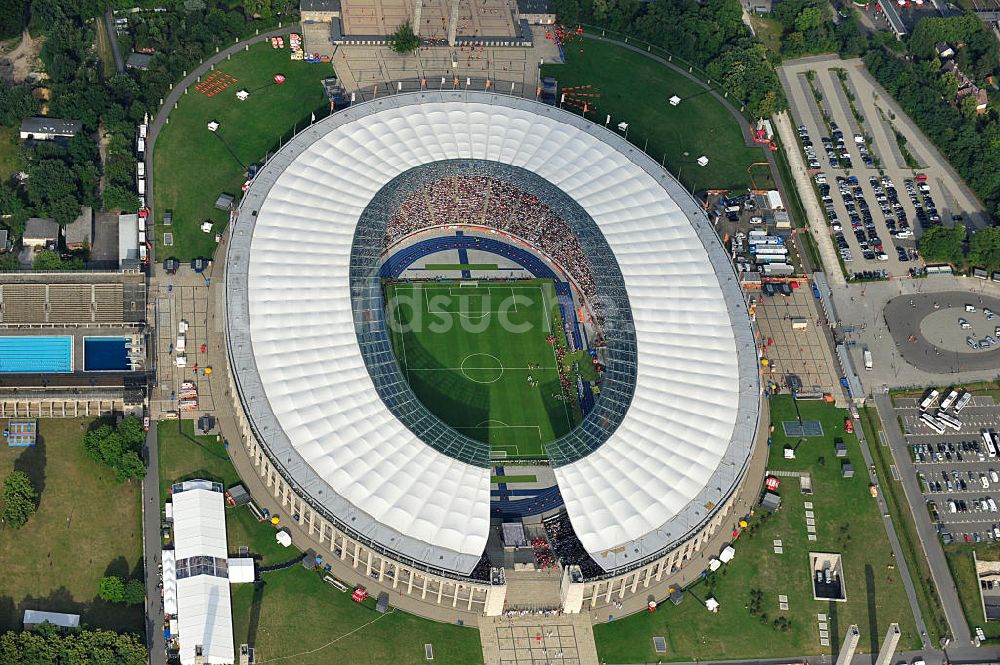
pixel 47 645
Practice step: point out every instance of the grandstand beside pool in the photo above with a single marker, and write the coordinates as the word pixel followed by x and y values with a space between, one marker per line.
pixel 106 354
pixel 36 354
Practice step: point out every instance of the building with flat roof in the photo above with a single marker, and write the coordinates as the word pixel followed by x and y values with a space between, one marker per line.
pixel 49 129
pixel 33 618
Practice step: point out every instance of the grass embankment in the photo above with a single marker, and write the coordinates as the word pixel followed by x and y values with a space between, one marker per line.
pixel 192 165
pixel 633 88
pixel 906 530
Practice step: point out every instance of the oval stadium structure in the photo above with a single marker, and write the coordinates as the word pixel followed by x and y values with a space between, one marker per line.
pixel 651 467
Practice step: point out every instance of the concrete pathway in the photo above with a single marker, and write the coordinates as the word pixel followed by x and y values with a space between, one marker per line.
pixel 151 544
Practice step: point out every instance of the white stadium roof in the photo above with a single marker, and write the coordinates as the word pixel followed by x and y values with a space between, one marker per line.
pixel 681 447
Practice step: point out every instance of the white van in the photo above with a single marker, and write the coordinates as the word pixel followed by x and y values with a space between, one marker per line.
pixel 952 507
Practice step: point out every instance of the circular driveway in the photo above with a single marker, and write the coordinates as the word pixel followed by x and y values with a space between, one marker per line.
pixel 927 332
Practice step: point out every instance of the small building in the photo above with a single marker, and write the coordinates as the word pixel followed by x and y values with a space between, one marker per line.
pixel 319 11
pixel 128 239
pixel 847 470
pixel 536 12
pixel 33 618
pixel 225 202
pixel 49 129
pixel 40 232
pixel 237 495
pixel 771 501
pixel 840 448
pixel 944 50
pixel 138 61
pixel 80 233
pixel 241 570
pixel 5 243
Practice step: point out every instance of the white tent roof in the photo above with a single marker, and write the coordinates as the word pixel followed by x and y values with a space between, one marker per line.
pixel 205 617
pixel 199 524
pixel 34 617
pixel 651 483
pixel 169 583
pixel 241 570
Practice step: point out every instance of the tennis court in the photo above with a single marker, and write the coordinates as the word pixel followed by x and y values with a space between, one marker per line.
pixel 478 355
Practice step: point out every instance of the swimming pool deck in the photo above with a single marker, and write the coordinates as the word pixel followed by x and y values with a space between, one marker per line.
pixel 76 333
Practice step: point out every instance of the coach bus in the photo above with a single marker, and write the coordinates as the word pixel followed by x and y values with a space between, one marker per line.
pixel 962 402
pixel 932 422
pixel 949 420
pixel 949 400
pixel 990 447
pixel 926 402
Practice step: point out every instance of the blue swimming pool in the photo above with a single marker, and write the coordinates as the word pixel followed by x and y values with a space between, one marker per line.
pixel 27 355
pixel 105 354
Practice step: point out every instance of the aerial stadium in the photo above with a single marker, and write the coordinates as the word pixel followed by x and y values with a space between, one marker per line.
pixel 431 292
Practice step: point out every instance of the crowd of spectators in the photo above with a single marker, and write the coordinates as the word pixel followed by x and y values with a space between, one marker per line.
pixel 568 547
pixel 497 204
pixel 544 558
pixel 482 570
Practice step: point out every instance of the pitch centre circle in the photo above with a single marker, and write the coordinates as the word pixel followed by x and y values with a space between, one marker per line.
pixel 482 368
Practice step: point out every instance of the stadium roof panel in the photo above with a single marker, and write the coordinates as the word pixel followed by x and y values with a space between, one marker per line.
pixel 681 447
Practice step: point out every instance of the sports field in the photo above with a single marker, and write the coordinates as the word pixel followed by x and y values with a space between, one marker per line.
pixel 477 355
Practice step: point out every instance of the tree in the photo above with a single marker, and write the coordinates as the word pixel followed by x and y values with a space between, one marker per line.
pixel 117 197
pixel 118 447
pixel 46 261
pixel 404 40
pixel 112 589
pixel 135 592
pixel 943 245
pixel 94 647
pixel 9 262
pixel 16 101
pixel 19 499
pixel 984 248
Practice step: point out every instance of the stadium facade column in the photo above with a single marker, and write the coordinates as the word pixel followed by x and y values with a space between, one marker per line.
pixel 416 17
pixel 496 596
pixel 571 589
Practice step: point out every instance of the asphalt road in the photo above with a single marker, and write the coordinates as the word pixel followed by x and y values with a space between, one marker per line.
pixel 151 547
pixel 926 532
pixel 116 53
pixel 903 320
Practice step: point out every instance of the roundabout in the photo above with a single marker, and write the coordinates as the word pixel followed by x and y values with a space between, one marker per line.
pixel 928 332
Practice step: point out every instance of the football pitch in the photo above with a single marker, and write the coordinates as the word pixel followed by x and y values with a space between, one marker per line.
pixel 477 355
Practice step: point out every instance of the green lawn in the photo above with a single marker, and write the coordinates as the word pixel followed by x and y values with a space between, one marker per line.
pixel 635 89
pixel 847 521
pixel 963 571
pixel 300 618
pixel 906 530
pixel 193 166
pixel 184 456
pixel 768 30
pixel 10 152
pixel 87 526
pixel 478 358
pixel 513 479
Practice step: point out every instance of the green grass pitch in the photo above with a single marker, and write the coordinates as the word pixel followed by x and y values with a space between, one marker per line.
pixel 477 355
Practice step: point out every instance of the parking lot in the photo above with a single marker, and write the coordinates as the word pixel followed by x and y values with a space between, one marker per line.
pixel 876 204
pixel 958 476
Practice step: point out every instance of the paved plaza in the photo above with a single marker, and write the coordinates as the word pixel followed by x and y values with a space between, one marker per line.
pixel 802 354
pixel 556 640
pixel 362 68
